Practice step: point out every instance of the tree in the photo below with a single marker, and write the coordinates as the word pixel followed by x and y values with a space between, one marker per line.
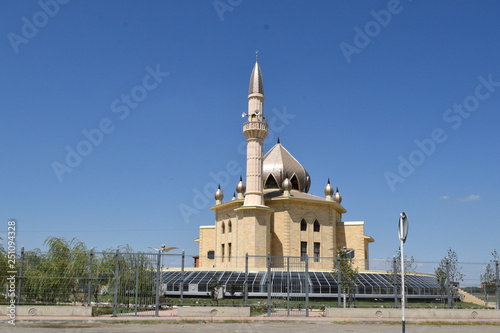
pixel 488 279
pixel 130 265
pixel 3 266
pixel 348 275
pixel 454 271
pixel 409 262
pixel 215 289
pixel 56 275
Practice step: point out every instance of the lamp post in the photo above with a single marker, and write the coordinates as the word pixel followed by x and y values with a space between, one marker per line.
pixel 159 279
pixel 403 232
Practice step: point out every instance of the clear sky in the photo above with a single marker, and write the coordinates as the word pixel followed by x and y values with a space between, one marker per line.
pixel 396 102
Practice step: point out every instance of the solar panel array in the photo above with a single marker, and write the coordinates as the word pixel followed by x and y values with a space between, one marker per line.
pixel 321 284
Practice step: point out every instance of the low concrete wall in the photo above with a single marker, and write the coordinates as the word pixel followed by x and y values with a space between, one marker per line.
pixel 413 313
pixel 49 310
pixel 210 311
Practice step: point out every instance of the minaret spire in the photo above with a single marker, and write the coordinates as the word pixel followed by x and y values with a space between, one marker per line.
pixel 255 131
pixel 256 86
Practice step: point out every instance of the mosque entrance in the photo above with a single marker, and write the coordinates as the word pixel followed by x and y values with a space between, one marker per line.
pixel 288 286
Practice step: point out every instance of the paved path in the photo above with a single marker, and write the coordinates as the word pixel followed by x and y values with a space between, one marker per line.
pixel 253 327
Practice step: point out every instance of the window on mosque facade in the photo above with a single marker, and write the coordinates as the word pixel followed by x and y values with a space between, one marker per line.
pixel 229 252
pixel 316 252
pixel 303 250
pixel 223 227
pixel 316 226
pixel 230 226
pixel 303 225
pixel 222 247
pixel 211 255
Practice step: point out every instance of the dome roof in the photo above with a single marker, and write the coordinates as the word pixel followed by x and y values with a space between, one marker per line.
pixel 279 164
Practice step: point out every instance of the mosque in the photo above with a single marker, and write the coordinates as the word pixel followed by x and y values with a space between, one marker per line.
pixel 273 211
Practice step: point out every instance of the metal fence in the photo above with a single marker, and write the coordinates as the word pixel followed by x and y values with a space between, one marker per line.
pixel 288 286
pixel 153 284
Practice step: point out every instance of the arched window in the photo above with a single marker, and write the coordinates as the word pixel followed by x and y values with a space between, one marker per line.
pixel 316 226
pixel 211 255
pixel 295 182
pixel 303 225
pixel 230 226
pixel 223 227
pixel 271 182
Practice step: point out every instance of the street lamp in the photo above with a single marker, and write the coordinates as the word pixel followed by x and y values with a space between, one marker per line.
pixel 403 233
pixel 162 250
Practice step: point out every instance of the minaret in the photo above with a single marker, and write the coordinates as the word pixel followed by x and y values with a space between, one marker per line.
pixel 254 218
pixel 255 130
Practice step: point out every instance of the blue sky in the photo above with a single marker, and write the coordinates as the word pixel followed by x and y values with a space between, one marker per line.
pixel 352 85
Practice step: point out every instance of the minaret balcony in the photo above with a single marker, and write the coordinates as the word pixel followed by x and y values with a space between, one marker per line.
pixel 255 130
pixel 254 125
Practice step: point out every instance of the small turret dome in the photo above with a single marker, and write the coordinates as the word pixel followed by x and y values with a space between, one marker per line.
pixel 219 195
pixel 328 188
pixel 240 187
pixel 337 197
pixel 286 185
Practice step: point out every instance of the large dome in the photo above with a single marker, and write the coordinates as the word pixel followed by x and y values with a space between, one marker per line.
pixel 279 164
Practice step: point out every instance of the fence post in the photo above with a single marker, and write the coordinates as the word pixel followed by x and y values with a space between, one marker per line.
pixel 498 283
pixel 182 279
pixel 137 282
pixel 246 280
pixel 21 275
pixel 394 265
pixel 288 285
pixel 339 285
pixel 269 284
pixel 115 297
pixel 448 282
pixel 90 277
pixel 306 284
pixel 158 273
